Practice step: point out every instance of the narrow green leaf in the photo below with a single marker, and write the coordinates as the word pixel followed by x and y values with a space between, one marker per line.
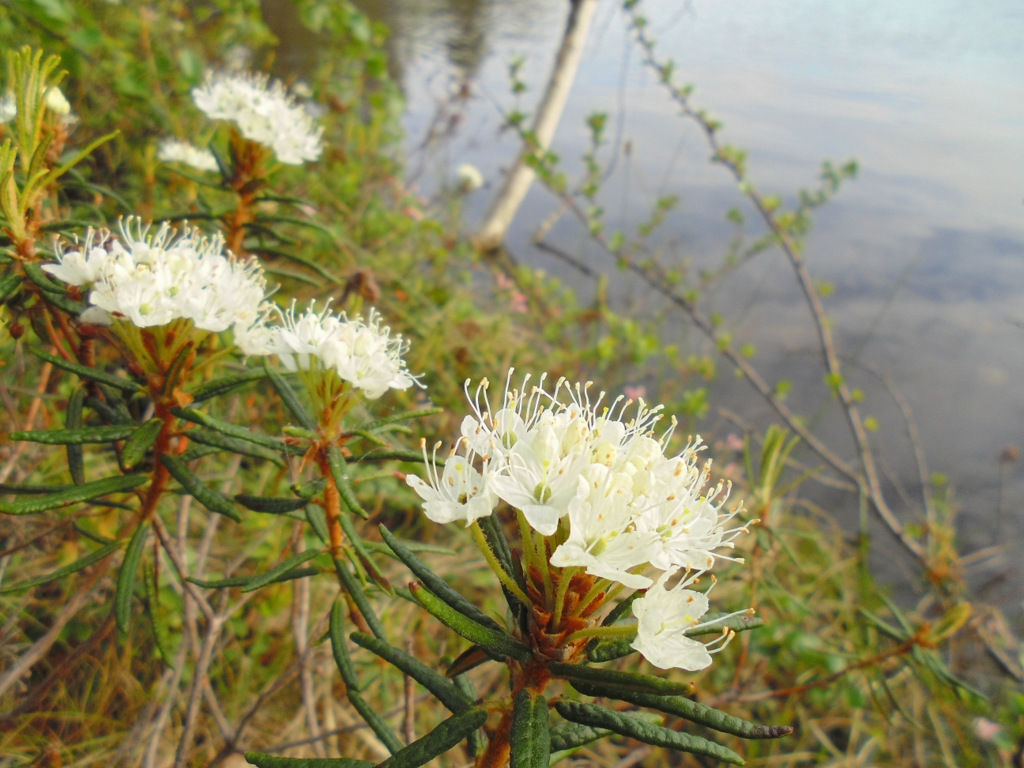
pixel 215 501
pixel 373 719
pixel 389 455
pixel 244 581
pixel 445 736
pixel 73 495
pixel 398 418
pixel 8 284
pixel 126 578
pixel 566 736
pixel 233 430
pixel 76 459
pixel 365 559
pixel 309 490
pixel 435 583
pixel 629 724
pixel 530 739
pixel 343 481
pixel 38 275
pixel 263 760
pixel 85 372
pixel 355 591
pixel 226 384
pixel 440 686
pixel 113 410
pixel 219 441
pixel 496 643
pixel 622 679
pixel 141 440
pixel 341 655
pixel 74 436
pixel 285 566
pixel 291 400
pixel 83 562
pixel 317 520
pixel 680 706
pixel 269 504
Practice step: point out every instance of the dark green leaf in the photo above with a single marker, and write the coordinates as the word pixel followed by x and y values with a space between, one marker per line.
pixel 83 562
pixel 308 490
pixel 373 719
pixel 496 643
pixel 85 372
pixel 630 680
pixel 530 740
pixel 74 436
pixel 37 275
pixel 279 570
pixel 269 504
pixel 398 418
pixel 215 501
pixel 76 459
pixel 355 591
pixel 141 440
pixel 438 741
pixel 341 655
pixel 8 284
pixel 85 492
pixel 680 706
pixel 435 583
pixel 565 736
pixel 233 430
pixel 629 724
pixel 343 481
pixel 226 384
pixel 219 441
pixel 244 581
pixel 440 686
pixel 126 577
pixel 291 401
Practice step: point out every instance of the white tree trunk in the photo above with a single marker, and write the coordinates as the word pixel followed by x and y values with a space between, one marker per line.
pixel 496 223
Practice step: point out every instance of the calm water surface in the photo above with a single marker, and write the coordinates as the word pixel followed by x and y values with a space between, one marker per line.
pixel 925 249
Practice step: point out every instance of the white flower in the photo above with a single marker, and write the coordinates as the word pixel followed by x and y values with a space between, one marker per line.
pixel 663 617
pixel 361 353
pixel 57 102
pixel 595 476
pixel 602 537
pixel 264 112
pixel 178 151
pixel 152 279
pixel 460 493
pixel 8 107
pixel 469 177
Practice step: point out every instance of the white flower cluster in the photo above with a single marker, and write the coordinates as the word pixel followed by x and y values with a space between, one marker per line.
pixel 178 151
pixel 264 112
pixel 598 482
pixel 361 353
pixel 55 101
pixel 152 279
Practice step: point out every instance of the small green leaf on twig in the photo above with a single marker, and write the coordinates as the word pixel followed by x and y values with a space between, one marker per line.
pixel 215 501
pixel 496 643
pixel 629 724
pixel 530 740
pixel 445 736
pixel 85 492
pixel 126 577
